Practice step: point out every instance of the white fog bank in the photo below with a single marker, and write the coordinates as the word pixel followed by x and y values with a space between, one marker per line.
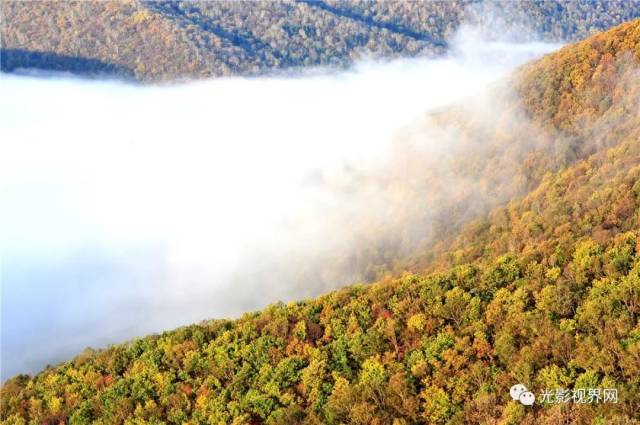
pixel 133 209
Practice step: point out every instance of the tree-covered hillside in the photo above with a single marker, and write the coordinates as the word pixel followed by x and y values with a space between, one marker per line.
pixel 182 39
pixel 546 117
pixel 585 98
pixel 544 291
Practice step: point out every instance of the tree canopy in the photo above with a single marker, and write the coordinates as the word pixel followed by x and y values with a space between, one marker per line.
pixel 543 291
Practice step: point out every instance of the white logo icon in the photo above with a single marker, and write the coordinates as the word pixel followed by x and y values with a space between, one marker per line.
pixel 522 394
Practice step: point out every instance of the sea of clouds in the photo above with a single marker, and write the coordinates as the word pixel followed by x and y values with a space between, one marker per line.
pixel 130 209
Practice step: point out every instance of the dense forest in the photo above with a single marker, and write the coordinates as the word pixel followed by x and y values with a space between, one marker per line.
pixel 501 145
pixel 153 41
pixel 543 291
pixel 586 99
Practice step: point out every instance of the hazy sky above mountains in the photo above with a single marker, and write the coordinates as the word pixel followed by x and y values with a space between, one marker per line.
pixel 133 209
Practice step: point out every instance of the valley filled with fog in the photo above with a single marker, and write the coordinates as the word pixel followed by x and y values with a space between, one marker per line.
pixel 130 209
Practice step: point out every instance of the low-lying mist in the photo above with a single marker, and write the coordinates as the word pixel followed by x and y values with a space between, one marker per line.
pixel 132 209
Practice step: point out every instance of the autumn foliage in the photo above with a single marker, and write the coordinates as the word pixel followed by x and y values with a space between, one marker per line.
pixel 543 291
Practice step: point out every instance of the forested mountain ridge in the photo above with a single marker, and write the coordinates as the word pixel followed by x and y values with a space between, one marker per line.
pixel 153 41
pixel 544 292
pixel 585 96
pixel 550 114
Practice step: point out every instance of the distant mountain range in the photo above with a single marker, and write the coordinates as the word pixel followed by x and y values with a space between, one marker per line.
pixel 543 290
pixel 153 41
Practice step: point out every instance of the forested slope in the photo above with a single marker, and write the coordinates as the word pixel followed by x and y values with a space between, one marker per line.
pixel 546 117
pixel 544 291
pixel 584 98
pixel 154 41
